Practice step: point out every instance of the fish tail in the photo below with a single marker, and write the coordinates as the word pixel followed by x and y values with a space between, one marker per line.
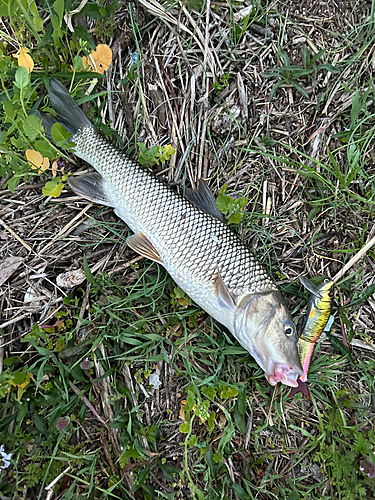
pixel 306 352
pixel 67 110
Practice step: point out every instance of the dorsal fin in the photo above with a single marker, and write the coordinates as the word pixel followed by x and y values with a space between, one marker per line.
pixel 202 198
pixel 309 285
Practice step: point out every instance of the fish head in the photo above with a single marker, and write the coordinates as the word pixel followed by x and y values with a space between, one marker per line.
pixel 264 326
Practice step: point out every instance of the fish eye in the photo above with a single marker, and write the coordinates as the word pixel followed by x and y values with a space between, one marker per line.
pixel 331 292
pixel 288 329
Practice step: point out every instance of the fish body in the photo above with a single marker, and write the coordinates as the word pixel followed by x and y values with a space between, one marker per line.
pixel 198 250
pixel 318 311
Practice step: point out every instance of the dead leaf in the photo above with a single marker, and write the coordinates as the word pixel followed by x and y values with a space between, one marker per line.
pixel 36 160
pixel 30 298
pixel 54 168
pixel 8 266
pixel 182 409
pixel 24 59
pixel 71 278
pixel 99 59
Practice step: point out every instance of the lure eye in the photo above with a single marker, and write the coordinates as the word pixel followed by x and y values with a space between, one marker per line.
pixel 288 329
pixel 331 293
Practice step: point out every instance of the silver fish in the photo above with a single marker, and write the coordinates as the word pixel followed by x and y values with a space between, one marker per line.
pixel 190 240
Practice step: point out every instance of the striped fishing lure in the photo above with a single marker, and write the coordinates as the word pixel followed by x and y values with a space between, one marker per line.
pixel 317 314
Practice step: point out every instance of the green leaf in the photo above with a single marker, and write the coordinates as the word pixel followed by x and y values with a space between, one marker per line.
pixel 9 361
pixel 223 203
pixel 364 296
pixel 300 89
pixel 284 56
pixel 273 90
pixel 193 440
pixel 241 400
pixel 20 378
pixel 110 8
pixel 190 400
pixel 240 422
pixel 53 188
pixel 223 189
pixel 304 432
pixel 10 109
pixel 58 7
pixel 209 391
pixel 45 149
pixel 241 201
pixel 22 78
pixel 12 183
pixel 57 32
pixel 305 56
pixel 90 278
pixel 19 143
pixel 92 10
pixel 235 218
pixel 184 427
pixel 328 67
pixel 32 126
pixel 77 63
pixel 341 347
pixel 356 107
pixel 80 33
pixel 318 55
pixel 60 135
pixel 227 391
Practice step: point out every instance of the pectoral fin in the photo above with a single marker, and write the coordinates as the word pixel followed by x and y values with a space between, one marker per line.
pixel 223 294
pixel 202 198
pixel 142 245
pixel 91 187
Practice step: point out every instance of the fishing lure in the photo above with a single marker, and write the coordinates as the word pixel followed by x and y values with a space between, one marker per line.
pixel 318 312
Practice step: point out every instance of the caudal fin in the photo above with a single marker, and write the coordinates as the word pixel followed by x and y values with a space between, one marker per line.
pixel 67 110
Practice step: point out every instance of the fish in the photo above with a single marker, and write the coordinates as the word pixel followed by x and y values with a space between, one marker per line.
pixel 187 235
pixel 315 319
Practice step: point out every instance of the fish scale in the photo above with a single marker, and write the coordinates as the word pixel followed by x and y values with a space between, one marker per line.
pixel 202 255
pixel 187 238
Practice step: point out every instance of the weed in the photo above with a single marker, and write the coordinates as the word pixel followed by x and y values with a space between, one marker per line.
pixel 222 83
pixel 155 155
pixel 230 207
pixel 291 73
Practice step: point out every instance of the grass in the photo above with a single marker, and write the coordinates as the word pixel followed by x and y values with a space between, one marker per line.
pixel 78 411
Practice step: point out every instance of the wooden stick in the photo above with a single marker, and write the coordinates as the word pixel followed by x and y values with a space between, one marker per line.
pixel 354 259
pixel 23 243
pixel 65 228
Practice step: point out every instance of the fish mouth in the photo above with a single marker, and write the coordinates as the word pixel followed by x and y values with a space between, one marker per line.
pixel 284 373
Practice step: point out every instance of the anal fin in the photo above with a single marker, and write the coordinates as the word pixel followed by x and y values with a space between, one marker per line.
pixel 142 245
pixel 91 187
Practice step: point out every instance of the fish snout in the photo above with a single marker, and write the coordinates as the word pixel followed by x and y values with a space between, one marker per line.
pixel 284 373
